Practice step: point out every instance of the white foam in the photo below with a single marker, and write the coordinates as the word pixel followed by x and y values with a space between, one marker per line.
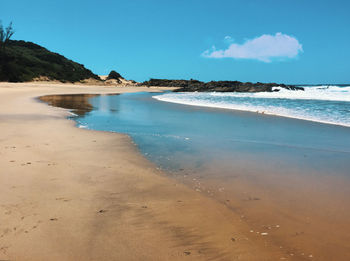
pixel 260 103
pixel 330 93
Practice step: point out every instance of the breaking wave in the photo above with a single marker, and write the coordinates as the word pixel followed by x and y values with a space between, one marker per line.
pixel 326 104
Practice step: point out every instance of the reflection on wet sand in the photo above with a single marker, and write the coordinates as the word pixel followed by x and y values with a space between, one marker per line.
pixel 77 103
pixel 80 104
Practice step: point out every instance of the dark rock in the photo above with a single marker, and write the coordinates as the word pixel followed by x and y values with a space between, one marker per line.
pixel 114 75
pixel 217 86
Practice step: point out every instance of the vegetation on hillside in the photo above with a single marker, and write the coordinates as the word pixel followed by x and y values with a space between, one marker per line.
pixel 22 61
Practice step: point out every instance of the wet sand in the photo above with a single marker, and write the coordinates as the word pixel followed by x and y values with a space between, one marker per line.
pixel 308 217
pixel 71 194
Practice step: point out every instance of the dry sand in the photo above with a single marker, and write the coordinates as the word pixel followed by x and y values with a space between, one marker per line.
pixel 72 194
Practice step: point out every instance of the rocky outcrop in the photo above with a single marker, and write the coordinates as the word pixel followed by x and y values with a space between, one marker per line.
pixel 113 78
pixel 217 86
pixel 114 75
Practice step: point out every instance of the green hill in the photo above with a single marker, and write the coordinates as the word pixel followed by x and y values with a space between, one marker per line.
pixel 22 61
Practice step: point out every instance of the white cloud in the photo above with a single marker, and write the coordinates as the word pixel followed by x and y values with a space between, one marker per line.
pixel 263 48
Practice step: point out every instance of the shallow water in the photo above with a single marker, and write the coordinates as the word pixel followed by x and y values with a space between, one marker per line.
pixel 178 136
pixel 286 177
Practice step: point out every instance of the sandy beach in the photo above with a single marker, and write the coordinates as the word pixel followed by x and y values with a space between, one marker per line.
pixel 172 130
pixel 73 194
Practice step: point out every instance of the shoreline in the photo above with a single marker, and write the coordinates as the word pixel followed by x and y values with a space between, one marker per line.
pixel 243 194
pixel 256 112
pixel 73 194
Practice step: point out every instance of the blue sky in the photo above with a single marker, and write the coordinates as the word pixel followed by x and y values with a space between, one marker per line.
pixel 287 41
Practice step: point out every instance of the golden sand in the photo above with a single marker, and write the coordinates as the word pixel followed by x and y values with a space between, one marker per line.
pixel 72 194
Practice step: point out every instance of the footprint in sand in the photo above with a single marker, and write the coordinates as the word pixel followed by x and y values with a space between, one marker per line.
pixel 63 199
pixel 27 163
pixel 252 198
pixel 52 164
pixel 4 250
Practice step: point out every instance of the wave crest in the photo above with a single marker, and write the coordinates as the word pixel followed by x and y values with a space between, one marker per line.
pixel 326 104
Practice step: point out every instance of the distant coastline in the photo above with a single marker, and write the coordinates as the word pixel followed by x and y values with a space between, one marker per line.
pixel 218 86
pixel 22 61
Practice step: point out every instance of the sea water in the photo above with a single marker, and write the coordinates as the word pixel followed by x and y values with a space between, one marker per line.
pixel 177 136
pixel 327 104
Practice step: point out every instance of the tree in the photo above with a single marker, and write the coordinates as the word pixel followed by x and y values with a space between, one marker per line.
pixel 5 34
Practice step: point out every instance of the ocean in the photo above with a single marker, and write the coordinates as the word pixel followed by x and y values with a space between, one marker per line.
pixel 187 136
pixel 323 103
